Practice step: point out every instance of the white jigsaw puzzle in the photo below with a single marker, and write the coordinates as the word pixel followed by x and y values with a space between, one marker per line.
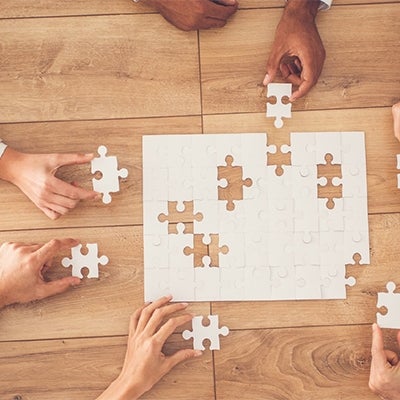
pixel 277 241
pixel 200 332
pixel 279 110
pixel 108 167
pixel 391 301
pixel 91 261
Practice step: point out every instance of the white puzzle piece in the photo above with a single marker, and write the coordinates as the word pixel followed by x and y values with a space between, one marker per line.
pixel 200 332
pixel 279 110
pixel 91 261
pixel 109 181
pixel 391 301
pixel 282 242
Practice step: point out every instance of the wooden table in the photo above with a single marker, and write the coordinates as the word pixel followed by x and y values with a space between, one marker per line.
pixel 76 74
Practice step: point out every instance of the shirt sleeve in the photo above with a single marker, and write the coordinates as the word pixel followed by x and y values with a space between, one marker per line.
pixel 325 4
pixel 3 147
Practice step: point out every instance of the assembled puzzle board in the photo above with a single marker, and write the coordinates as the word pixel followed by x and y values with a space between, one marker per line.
pixel 220 224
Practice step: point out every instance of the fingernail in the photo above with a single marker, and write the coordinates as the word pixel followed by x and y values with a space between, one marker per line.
pixel 184 304
pixel 198 353
pixel 266 80
pixel 89 155
pixel 98 196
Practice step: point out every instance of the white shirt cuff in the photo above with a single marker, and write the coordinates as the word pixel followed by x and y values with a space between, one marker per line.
pixel 325 4
pixel 3 147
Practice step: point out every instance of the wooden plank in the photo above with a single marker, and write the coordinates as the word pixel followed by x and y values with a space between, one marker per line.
pixel 122 137
pixel 95 308
pixel 381 146
pixel 49 8
pixel 97 67
pixel 233 63
pixel 318 363
pixel 83 368
pixel 358 308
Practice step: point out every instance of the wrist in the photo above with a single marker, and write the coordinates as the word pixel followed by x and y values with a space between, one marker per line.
pixel 9 164
pixel 122 389
pixel 303 7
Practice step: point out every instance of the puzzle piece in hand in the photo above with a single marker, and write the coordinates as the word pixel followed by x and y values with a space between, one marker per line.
pixel 202 249
pixel 391 301
pixel 329 181
pixel 234 187
pixel 183 215
pixel 279 110
pixel 91 261
pixel 200 332
pixel 108 167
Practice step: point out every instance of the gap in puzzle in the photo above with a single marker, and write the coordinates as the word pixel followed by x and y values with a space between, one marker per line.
pixel 221 224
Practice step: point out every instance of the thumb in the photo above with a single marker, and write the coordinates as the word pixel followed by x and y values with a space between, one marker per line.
pixel 377 350
pixel 183 355
pixel 225 2
pixel 272 67
pixel 73 159
pixel 58 286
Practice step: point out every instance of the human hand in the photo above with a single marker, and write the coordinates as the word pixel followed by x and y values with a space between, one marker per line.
pixel 34 175
pixel 191 15
pixel 145 363
pixel 396 120
pixel 297 50
pixel 384 378
pixel 22 269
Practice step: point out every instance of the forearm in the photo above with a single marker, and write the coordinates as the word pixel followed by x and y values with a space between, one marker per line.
pixel 309 7
pixel 9 164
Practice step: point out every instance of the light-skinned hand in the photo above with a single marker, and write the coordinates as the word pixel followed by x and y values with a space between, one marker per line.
pixel 297 50
pixel 145 363
pixel 384 379
pixel 23 268
pixel 396 120
pixel 190 15
pixel 34 175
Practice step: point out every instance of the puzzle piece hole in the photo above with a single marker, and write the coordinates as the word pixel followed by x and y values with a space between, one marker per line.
pixel 383 310
pixel 206 343
pixel 85 271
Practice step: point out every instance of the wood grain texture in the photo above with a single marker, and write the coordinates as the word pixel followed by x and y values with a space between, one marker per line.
pixel 96 67
pixel 381 145
pixel 360 69
pixel 297 364
pixel 97 307
pixel 48 8
pixel 123 139
pixel 83 368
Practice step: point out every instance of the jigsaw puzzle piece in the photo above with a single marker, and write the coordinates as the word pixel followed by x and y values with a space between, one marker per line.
pixel 151 212
pixel 281 249
pixel 308 282
pixel 90 261
pixel 204 151
pixel 334 282
pixel 391 301
pixel 356 242
pixel 209 209
pixel 155 151
pixel 200 332
pixel 283 283
pixel 155 184
pixel 156 251
pixel 232 283
pixel 306 245
pixel 235 258
pixel 279 110
pixel 258 283
pixel 108 167
pixel 207 282
pixel 328 142
pixel 180 185
pixel 256 244
pixel 331 219
pixel 205 183
pixel 303 149
pixel 156 283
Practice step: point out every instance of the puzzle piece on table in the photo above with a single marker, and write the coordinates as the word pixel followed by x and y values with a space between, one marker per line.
pixel 200 332
pixel 279 110
pixel 202 249
pixel 91 261
pixel 234 187
pixel 108 167
pixel 391 301
pixel 177 214
pixel 329 181
pixel 398 167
